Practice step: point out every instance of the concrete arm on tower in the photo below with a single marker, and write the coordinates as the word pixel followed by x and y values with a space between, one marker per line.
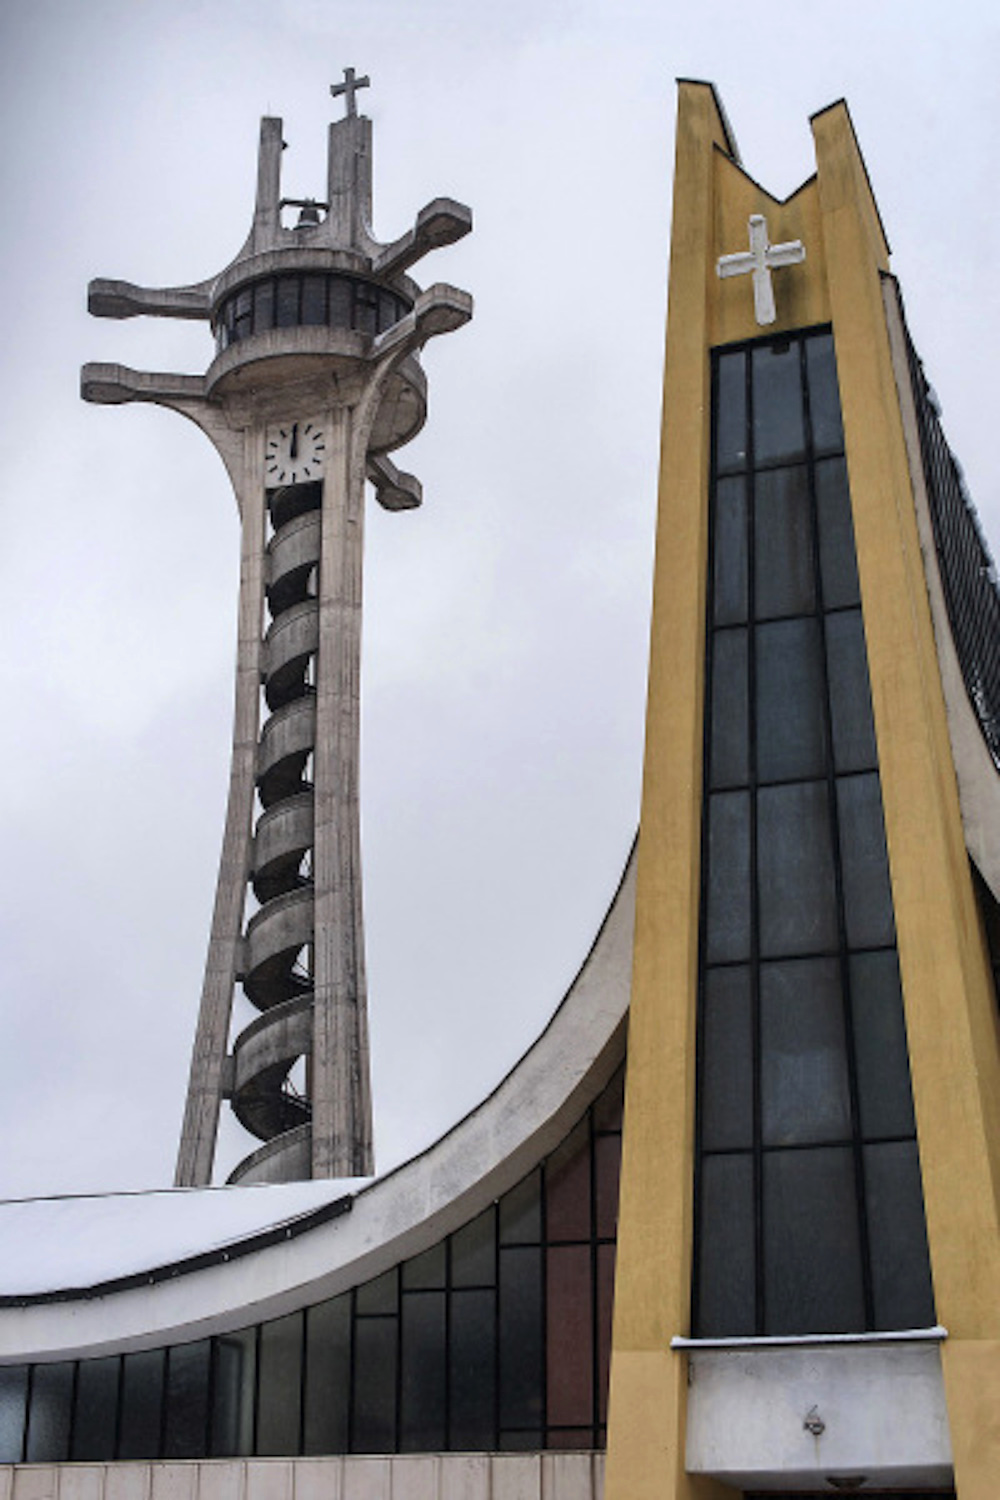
pixel 440 309
pixel 113 385
pixel 394 490
pixel 121 299
pixel 440 222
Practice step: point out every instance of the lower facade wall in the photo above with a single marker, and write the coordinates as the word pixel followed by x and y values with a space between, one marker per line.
pixel 425 1476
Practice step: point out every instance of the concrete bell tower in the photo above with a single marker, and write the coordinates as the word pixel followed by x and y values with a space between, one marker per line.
pixel 316 379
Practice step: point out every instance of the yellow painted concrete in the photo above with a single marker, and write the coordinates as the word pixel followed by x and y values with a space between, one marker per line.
pixel 947 987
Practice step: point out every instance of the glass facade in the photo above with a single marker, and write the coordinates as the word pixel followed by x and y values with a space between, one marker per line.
pixel 314 298
pixel 809 1209
pixel 497 1337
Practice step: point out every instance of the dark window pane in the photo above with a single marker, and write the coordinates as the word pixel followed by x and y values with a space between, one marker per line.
pixel 728 914
pixel 569 1356
pixel 314 299
pixel 608 1107
pixel 567 1188
pixel 605 1304
pixel 850 699
pixel 375 1385
pixel 607 1169
pixel 388 310
pixel 48 1417
pixel 365 307
pixel 328 1375
pixel 729 542
pixel 185 1432
pixel 882 1059
pixel 472 1335
pixel 234 1388
pixel 288 302
pixel 798 912
pixel 824 395
pixel 280 1385
pixel 13 1408
pixel 527 1440
pixel 812 1254
pixel 263 306
pixel 380 1295
pixel 727 1061
pixel 778 429
pixel 96 1408
pixel 901 1273
pixel 783 556
pixel 341 294
pixel 731 412
pixel 838 564
pixel 725 1249
pixel 426 1271
pixel 867 898
pixel 473 1252
pixel 521 1356
pixel 791 738
pixel 521 1213
pixel 422 1426
pixel 728 760
pixel 805 1094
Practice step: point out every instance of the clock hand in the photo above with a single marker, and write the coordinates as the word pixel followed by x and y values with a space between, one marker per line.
pixel 293 451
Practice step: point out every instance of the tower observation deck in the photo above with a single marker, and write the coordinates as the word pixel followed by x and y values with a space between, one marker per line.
pixel 315 381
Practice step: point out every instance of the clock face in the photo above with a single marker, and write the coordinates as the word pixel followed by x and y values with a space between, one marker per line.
pixel 293 453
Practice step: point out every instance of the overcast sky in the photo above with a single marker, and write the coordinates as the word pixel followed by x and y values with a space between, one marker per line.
pixel 506 621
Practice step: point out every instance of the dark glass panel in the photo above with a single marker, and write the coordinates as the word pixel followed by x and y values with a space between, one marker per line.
pixel 569 1356
pixel 49 1413
pixel 726 1247
pixel 798 912
pixel 867 897
pixel 812 1250
pixel 287 312
pixel 778 428
pixel 374 1385
pixel 850 699
pixel 805 1095
pixel 728 911
pixel 95 1409
pixel 791 738
pixel 314 299
pixel 729 752
pixel 185 1430
pixel 328 1376
pixel 233 1393
pixel 567 1187
pixel 527 1440
pixel 279 1403
pixel 838 563
pixel 380 1295
pixel 388 310
pixel 521 1213
pixel 729 543
pixel 263 306
pixel 365 307
pixel 474 1252
pixel 141 1404
pixel 244 307
pixel 426 1271
pixel 731 412
pixel 882 1058
pixel 521 1350
pixel 605 1305
pixel 824 394
pixel 13 1409
pixel 727 1061
pixel 472 1334
pixel 341 294
pixel 901 1273
pixel 422 1386
pixel 607 1170
pixel 608 1107
pixel 783 552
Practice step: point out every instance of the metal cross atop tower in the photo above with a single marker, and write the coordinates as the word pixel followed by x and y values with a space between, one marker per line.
pixel 759 262
pixel 349 88
pixel 315 381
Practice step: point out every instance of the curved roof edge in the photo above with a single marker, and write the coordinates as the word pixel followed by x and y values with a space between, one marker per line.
pixel 397 1216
